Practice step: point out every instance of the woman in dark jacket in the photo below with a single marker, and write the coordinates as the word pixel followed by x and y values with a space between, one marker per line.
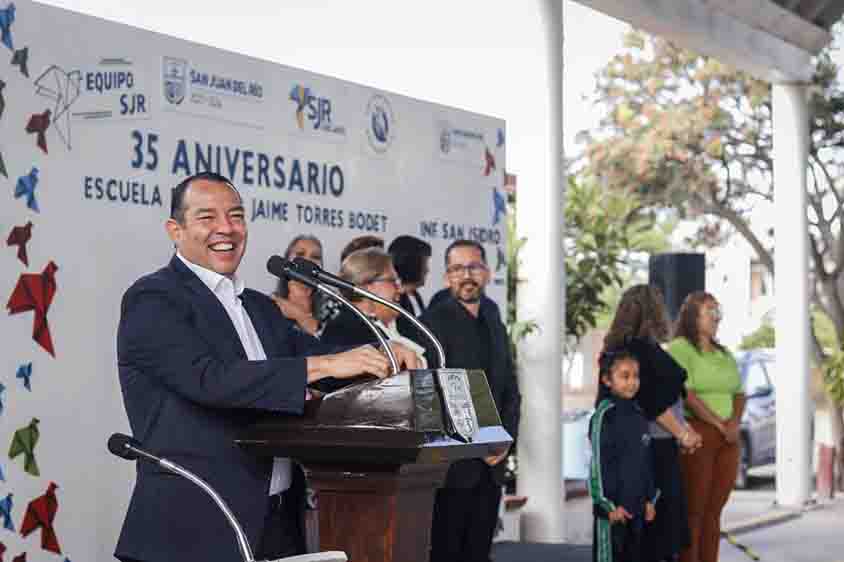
pixel 641 324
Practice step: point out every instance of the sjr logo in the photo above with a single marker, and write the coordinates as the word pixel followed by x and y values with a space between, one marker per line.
pixel 315 109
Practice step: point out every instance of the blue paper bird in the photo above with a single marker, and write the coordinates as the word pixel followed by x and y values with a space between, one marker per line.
pixel 499 206
pixel 6 512
pixel 26 187
pixel 2 476
pixel 7 18
pixel 25 373
pixel 500 138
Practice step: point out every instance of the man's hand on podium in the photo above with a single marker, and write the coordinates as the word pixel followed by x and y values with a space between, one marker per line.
pixel 406 357
pixel 363 359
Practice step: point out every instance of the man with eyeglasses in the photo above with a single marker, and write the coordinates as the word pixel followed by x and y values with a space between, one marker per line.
pixel 473 336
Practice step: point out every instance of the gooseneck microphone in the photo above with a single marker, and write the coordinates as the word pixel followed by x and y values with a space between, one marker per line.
pixel 282 268
pixel 317 275
pixel 129 448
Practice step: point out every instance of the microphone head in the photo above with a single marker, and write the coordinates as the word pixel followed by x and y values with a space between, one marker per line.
pixel 278 266
pixel 305 266
pixel 120 445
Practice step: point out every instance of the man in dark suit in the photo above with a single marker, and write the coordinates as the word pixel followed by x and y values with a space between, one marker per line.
pixel 473 337
pixel 199 358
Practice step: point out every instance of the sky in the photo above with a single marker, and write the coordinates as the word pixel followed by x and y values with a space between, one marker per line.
pixel 389 45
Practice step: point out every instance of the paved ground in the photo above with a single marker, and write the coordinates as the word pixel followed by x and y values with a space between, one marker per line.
pixel 771 533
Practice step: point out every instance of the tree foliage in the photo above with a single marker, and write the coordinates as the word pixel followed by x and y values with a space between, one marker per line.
pixel 688 132
pixel 604 234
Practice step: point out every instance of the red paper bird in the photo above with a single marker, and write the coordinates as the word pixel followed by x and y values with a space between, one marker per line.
pixel 19 236
pixel 38 123
pixel 489 165
pixel 2 551
pixel 20 557
pixel 40 513
pixel 35 291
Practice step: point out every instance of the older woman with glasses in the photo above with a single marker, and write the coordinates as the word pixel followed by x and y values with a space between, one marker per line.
pixel 372 269
pixel 714 405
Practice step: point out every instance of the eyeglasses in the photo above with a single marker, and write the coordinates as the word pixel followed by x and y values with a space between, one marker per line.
pixel 391 279
pixel 459 269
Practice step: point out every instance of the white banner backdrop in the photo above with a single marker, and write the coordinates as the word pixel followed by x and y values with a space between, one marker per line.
pixel 97 122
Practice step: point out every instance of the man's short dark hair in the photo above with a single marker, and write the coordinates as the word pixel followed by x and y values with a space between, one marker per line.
pixel 177 194
pixel 409 255
pixel 465 243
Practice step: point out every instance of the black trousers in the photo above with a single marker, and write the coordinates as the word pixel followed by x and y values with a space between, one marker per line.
pixel 464 522
pixel 282 534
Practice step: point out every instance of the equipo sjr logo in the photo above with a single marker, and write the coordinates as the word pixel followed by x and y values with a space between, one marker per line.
pixel 314 112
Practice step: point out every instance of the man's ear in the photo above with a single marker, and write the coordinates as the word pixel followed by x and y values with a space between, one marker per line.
pixel 174 230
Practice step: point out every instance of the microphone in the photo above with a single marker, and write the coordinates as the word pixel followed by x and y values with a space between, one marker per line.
pixel 123 446
pixel 129 448
pixel 313 270
pixel 309 269
pixel 286 269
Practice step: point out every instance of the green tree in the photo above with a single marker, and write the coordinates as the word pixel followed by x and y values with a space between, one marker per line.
pixel 605 233
pixel 690 133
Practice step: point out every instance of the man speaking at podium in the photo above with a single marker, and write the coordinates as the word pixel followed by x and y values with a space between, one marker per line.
pixel 469 326
pixel 199 358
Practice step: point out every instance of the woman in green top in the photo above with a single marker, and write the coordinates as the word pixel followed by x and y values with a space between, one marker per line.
pixel 714 404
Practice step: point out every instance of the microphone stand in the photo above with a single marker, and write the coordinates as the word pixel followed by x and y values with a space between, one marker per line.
pixel 242 541
pixel 311 270
pixel 424 329
pixel 289 270
pixel 322 288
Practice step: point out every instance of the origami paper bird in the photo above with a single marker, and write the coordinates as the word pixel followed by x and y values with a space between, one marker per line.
pixel 2 551
pixel 38 123
pixel 23 442
pixel 19 236
pixel 6 512
pixel 40 514
pixel 2 389
pixel 35 291
pixel 2 99
pixel 7 18
pixel 20 557
pixel 489 160
pixel 2 476
pixel 499 206
pixel 25 373
pixel 20 59
pixel 500 138
pixel 3 167
pixel 26 187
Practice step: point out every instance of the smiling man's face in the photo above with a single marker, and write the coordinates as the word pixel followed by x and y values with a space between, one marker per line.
pixel 213 234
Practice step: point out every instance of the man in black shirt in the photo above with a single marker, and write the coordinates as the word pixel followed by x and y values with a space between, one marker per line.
pixel 473 337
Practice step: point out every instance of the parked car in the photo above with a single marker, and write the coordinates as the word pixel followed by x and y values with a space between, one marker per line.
pixel 758 424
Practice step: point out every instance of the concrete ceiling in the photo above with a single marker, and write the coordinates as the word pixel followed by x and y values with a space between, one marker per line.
pixel 772 39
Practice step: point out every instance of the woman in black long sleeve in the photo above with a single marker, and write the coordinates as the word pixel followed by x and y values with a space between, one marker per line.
pixel 641 324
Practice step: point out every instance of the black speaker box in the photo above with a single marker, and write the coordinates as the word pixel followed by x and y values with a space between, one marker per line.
pixel 677 275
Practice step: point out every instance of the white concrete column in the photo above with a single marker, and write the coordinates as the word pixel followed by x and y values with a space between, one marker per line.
pixel 791 141
pixel 539 217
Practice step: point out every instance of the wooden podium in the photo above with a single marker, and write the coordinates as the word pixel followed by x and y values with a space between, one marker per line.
pixel 376 452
